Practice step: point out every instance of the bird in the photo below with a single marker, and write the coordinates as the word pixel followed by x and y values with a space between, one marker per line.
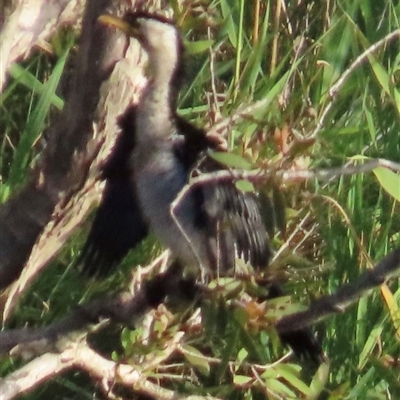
pixel 214 223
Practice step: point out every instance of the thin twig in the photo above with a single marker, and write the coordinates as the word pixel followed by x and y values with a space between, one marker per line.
pixel 344 296
pixel 335 88
pixel 260 176
pixel 249 109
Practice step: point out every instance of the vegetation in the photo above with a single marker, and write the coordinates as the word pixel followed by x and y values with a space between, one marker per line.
pixel 290 56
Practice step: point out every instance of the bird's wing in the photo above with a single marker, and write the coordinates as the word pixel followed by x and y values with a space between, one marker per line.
pixel 117 228
pixel 118 225
pixel 231 218
pixel 233 223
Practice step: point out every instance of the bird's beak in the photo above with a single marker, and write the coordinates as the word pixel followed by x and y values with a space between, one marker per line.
pixel 119 23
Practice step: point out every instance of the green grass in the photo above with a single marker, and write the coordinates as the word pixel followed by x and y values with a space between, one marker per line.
pixel 347 224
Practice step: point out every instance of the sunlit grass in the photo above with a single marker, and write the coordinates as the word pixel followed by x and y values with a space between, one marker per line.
pixel 348 224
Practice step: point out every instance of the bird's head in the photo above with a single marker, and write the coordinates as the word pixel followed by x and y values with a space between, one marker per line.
pixel 158 35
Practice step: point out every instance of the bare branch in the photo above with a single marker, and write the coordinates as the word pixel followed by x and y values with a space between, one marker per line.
pixel 69 350
pixel 125 308
pixel 260 176
pixel 65 347
pixel 77 354
pixel 344 296
pixel 34 373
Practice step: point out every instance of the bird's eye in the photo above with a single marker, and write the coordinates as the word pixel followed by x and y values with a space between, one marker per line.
pixel 133 20
pixel 135 24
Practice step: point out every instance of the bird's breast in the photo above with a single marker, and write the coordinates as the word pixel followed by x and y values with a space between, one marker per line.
pixel 159 178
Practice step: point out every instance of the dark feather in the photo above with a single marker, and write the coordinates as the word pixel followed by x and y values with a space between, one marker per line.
pixel 230 217
pixel 118 225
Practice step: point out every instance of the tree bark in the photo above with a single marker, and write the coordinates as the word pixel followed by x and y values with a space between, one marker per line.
pixel 29 22
pixel 64 183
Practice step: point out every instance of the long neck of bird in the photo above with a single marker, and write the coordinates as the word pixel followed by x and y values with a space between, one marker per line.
pixel 156 108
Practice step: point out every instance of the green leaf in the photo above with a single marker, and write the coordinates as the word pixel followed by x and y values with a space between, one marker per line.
pixel 227 13
pixel 389 180
pixel 349 130
pixel 370 123
pixel 268 94
pixel 23 76
pixel 289 372
pixel 197 359
pixel 35 124
pixel 232 160
pixel 319 381
pixel 248 341
pixel 226 354
pixel 197 47
pixel 359 391
pixel 370 344
pixel 254 69
pixel 279 388
pixel 299 147
pixel 242 380
pixel 390 375
pixel 385 80
pixel 5 192
pixel 242 355
pixel 244 186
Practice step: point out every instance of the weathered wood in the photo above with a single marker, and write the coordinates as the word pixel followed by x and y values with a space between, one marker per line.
pixel 30 22
pixel 64 183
